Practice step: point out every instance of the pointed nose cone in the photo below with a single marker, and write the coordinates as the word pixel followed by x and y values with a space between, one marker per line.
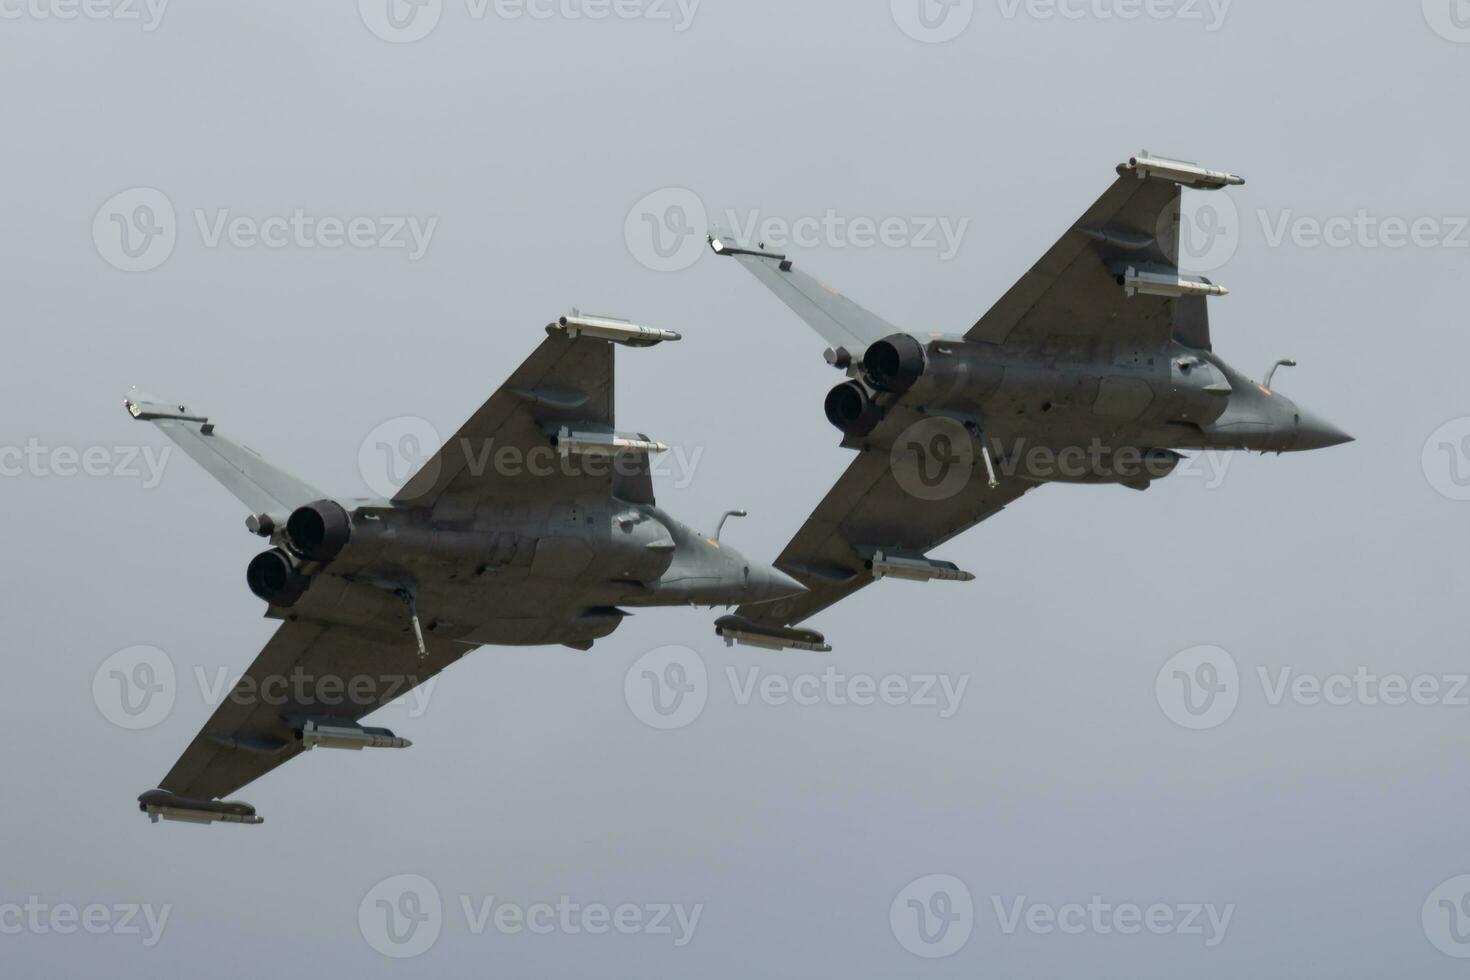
pixel 1315 432
pixel 768 584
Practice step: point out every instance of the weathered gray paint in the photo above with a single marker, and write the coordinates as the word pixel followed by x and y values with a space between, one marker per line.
pixel 1067 359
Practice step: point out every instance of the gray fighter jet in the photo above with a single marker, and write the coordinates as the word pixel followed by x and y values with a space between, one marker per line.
pixel 533 525
pixel 1096 367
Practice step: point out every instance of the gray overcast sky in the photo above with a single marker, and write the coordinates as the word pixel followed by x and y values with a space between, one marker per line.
pixel 522 142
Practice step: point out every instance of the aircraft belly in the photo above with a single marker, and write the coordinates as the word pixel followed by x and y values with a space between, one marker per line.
pixel 540 632
pixel 561 558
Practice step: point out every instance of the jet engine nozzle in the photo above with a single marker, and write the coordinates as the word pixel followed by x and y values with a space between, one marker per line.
pixel 318 531
pixel 850 408
pixel 894 363
pixel 273 578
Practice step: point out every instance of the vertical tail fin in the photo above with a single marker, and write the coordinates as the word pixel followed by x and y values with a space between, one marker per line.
pixel 263 488
pixel 633 478
pixel 1192 322
pixel 840 321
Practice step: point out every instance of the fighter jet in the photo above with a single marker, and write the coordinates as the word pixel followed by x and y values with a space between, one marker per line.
pixel 1096 367
pixel 533 525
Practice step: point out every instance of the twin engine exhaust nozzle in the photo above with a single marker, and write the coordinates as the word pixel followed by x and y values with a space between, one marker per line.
pixel 315 534
pixel 892 365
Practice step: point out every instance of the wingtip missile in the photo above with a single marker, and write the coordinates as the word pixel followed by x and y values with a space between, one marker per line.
pixel 1181 172
pixel 611 329
pixel 146 409
pixel 721 244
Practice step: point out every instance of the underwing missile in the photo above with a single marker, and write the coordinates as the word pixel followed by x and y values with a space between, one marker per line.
pixel 569 442
pixel 738 629
pixel 160 804
pixel 916 569
pixel 327 735
pixel 1135 281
